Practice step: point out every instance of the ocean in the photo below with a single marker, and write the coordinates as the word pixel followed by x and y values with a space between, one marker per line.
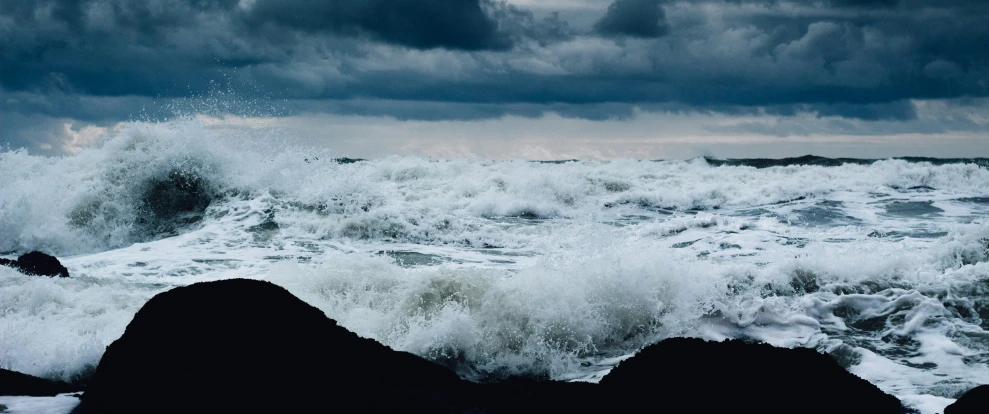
pixel 554 270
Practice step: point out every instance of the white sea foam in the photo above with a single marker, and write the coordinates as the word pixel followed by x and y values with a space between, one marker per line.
pixel 502 268
pixel 58 328
pixel 591 301
pixel 61 404
pixel 89 201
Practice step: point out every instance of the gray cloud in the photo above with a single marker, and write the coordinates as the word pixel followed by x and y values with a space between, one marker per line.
pixel 104 61
pixel 521 25
pixel 867 3
pixel 641 18
pixel 456 24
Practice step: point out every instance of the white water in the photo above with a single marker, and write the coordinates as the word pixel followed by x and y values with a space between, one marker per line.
pixel 500 268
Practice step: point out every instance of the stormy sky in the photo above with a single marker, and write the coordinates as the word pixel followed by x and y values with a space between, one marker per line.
pixel 518 78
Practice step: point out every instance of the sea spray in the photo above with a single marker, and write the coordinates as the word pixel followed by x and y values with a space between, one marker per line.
pixel 497 268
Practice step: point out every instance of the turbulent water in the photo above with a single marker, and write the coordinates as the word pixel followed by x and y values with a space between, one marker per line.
pixel 498 268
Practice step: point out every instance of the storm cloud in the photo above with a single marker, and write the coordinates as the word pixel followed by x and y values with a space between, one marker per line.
pixel 642 18
pixel 106 61
pixel 456 24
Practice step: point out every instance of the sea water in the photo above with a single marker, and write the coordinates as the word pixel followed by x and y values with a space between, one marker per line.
pixel 500 268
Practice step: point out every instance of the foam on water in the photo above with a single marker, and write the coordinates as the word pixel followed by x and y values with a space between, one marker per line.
pixel 512 268
pixel 589 302
pixel 100 198
pixel 59 328
pixel 60 404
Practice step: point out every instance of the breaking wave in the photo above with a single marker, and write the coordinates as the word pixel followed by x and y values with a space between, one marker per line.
pixel 500 268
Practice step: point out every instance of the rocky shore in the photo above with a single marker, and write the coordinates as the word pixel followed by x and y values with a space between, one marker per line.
pixel 251 346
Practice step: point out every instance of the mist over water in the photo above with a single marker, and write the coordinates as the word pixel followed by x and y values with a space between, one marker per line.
pixel 554 270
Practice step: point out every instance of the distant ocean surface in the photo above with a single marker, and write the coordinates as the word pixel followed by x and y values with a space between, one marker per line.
pixel 497 268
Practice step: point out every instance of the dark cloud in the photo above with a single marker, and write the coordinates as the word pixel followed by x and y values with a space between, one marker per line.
pixel 520 25
pixel 458 111
pixel 641 18
pixel 892 111
pixel 807 121
pixel 455 24
pixel 174 48
pixel 104 61
pixel 865 3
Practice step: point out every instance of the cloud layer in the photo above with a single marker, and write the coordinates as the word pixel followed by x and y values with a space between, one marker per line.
pixel 105 61
pixel 641 18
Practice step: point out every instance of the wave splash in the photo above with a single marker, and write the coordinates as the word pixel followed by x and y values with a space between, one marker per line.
pixel 499 268
pixel 150 181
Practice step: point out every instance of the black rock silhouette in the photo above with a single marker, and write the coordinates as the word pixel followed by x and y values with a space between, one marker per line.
pixel 735 376
pixel 976 400
pixel 16 383
pixel 250 346
pixel 38 264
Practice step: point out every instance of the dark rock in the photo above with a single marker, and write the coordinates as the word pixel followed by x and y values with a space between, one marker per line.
pixel 38 264
pixel 735 376
pixel 976 400
pixel 16 383
pixel 250 346
pixel 244 345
